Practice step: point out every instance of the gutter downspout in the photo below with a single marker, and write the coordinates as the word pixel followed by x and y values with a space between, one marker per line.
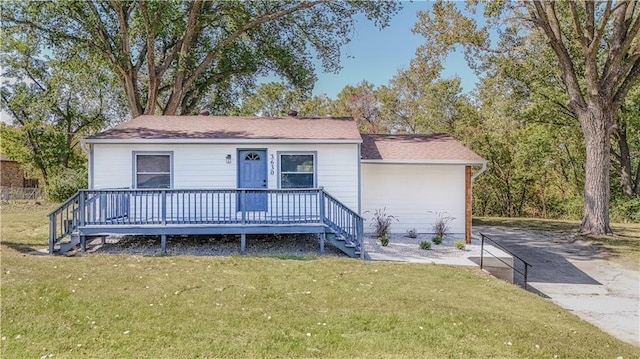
pixel 482 169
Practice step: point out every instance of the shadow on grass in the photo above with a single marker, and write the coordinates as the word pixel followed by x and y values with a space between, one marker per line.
pixel 291 257
pixel 20 247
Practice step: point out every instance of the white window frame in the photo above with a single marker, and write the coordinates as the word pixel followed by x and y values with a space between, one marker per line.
pixel 151 153
pixel 301 153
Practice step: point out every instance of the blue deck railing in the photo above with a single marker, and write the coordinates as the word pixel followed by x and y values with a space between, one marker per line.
pixel 110 208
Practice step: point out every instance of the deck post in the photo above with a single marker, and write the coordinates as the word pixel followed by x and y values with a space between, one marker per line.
pixel 243 243
pixel 322 239
pixel 81 208
pixel 321 204
pixel 164 207
pixel 52 231
pixel 83 243
pixel 163 243
pixel 243 202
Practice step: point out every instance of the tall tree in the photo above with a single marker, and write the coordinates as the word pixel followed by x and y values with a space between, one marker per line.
pixel 278 99
pixel 52 106
pixel 168 55
pixel 626 152
pixel 595 46
pixel 363 104
pixel 270 99
pixel 415 103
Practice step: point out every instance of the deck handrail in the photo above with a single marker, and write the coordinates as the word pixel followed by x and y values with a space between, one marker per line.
pixel 95 208
pixel 61 216
pixel 482 250
pixel 344 221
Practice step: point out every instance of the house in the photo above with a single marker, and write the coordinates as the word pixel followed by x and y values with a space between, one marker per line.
pixel 168 175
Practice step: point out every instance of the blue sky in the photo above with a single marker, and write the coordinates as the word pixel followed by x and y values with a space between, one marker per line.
pixel 376 55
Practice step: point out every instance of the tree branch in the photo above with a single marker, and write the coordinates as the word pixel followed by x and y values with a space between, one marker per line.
pixel 250 25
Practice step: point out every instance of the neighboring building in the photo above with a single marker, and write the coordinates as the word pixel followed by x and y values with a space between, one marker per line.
pixel 13 185
pixel 11 173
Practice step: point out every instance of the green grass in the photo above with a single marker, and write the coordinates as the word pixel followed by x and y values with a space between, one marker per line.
pixel 623 246
pixel 118 306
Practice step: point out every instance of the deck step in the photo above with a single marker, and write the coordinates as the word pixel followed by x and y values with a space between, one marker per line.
pixel 67 246
pixel 342 243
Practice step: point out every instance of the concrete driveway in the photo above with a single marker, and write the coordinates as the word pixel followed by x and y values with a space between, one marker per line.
pixel 576 276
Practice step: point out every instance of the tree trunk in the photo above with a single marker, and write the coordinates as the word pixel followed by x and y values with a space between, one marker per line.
pixel 595 126
pixel 624 159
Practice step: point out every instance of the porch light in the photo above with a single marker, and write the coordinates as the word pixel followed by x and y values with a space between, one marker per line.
pixel 228 158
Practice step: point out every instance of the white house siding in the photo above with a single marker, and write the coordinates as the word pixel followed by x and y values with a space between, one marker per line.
pixel 414 194
pixel 203 166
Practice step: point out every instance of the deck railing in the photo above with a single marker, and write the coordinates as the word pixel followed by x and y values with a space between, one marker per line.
pixel 63 220
pixel 176 207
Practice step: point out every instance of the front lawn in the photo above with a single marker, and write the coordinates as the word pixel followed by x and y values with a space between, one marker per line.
pixel 119 306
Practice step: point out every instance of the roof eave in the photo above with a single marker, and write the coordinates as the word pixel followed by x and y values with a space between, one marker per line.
pixel 216 140
pixel 428 162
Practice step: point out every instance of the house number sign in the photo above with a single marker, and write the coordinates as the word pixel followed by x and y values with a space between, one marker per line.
pixel 272 164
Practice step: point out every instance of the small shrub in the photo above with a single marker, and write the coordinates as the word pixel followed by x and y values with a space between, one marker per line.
pixel 66 184
pixel 625 210
pixel 384 240
pixel 426 245
pixel 437 239
pixel 459 244
pixel 382 222
pixel 441 226
pixel 412 233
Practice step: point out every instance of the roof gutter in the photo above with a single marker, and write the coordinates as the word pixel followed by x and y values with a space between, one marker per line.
pixel 218 141
pixel 427 162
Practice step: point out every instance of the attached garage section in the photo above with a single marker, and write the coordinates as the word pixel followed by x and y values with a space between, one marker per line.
pixel 417 179
pixel 414 194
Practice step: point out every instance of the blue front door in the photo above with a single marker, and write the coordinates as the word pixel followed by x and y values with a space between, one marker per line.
pixel 252 173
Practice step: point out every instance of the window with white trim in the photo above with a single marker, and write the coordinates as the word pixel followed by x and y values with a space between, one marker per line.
pixel 297 170
pixel 152 170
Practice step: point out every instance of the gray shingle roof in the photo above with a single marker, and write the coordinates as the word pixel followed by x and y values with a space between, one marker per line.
pixel 432 147
pixel 418 148
pixel 232 127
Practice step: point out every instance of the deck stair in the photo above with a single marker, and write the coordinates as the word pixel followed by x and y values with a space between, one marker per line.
pixel 163 212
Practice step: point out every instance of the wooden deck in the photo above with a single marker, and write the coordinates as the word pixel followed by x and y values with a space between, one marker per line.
pixel 206 211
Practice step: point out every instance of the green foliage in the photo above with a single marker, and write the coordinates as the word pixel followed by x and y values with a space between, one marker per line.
pixel 382 222
pixel 547 72
pixel 362 102
pixel 175 57
pixel 51 105
pixel 626 210
pixel 65 184
pixel 437 239
pixel 426 245
pixel 384 240
pixel 459 244
pixel 271 99
pixel 274 99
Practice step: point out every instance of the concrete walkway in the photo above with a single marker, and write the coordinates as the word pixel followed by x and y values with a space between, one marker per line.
pixel 577 277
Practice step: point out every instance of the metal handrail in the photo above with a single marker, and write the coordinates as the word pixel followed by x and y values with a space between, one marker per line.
pixel 482 250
